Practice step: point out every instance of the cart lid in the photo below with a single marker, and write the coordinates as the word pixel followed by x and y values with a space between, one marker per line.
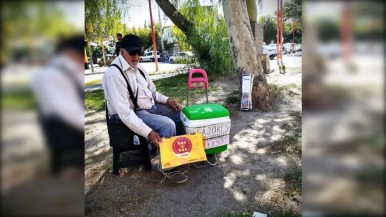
pixel 205 111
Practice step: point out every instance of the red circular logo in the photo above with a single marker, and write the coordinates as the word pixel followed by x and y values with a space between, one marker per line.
pixel 182 145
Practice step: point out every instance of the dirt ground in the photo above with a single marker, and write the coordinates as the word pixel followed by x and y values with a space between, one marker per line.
pixel 250 175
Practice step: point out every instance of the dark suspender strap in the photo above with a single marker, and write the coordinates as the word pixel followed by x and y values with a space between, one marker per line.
pixel 70 75
pixel 143 75
pixel 107 111
pixel 128 88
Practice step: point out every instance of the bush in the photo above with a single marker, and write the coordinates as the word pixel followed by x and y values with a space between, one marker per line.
pixel 184 61
pixel 209 40
pixel 108 62
pixel 97 51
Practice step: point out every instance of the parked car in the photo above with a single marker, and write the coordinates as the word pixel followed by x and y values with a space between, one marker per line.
pixel 182 56
pixel 149 57
pixel 94 60
pixel 288 48
pixel 270 50
pixel 298 47
pixel 109 59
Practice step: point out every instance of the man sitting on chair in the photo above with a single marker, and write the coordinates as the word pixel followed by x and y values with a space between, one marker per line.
pixel 156 116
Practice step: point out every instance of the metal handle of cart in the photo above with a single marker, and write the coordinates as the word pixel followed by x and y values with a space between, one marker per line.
pixel 206 92
pixel 203 79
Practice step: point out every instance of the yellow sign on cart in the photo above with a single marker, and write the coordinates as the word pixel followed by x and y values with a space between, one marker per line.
pixel 184 149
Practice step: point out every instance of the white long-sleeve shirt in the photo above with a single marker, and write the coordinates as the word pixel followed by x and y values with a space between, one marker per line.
pixel 118 98
pixel 57 93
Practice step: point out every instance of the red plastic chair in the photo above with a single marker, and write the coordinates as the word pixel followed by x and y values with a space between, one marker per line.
pixel 203 79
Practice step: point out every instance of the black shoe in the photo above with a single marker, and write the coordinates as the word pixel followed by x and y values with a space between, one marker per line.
pixel 153 150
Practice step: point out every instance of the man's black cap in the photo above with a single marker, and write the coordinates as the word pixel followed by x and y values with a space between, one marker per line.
pixel 131 43
pixel 75 42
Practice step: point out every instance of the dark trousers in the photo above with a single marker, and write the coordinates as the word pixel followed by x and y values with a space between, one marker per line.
pixel 66 144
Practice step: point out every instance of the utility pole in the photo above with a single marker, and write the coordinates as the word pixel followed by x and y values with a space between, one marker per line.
pixel 293 37
pixel 160 26
pixel 153 38
pixel 279 36
pixel 90 31
pixel 346 21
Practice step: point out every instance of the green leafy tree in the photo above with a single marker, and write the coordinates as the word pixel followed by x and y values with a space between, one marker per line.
pixel 201 29
pixel 144 33
pixel 182 41
pixel 31 27
pixel 292 15
pixel 292 11
pixel 218 48
pixel 103 19
pixel 328 29
pixel 269 24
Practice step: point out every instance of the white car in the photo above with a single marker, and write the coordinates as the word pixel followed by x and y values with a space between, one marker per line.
pixel 149 57
pixel 298 47
pixel 186 55
pixel 288 48
pixel 270 50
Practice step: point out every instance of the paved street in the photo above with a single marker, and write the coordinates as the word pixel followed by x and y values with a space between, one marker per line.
pixel 289 60
pixel 19 76
pixel 97 75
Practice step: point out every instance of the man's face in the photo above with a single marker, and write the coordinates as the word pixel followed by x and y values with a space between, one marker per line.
pixel 119 37
pixel 132 58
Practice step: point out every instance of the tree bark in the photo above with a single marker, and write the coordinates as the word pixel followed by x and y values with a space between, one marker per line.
pixel 103 53
pixel 252 14
pixel 244 52
pixel 176 17
pixel 186 26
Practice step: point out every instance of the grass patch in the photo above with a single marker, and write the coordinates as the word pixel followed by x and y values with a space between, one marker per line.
pixel 18 100
pixel 278 93
pixel 294 176
pixel 297 117
pixel 292 86
pixel 163 72
pixel 232 102
pixel 233 97
pixel 292 141
pixel 290 144
pixel 95 100
pixel 96 81
pixel 174 87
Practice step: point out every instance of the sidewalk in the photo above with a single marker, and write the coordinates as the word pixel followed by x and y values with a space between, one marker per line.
pixel 164 70
pixel 94 87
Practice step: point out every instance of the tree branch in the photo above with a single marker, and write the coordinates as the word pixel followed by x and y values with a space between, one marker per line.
pixel 175 16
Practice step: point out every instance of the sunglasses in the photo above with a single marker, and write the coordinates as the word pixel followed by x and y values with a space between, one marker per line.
pixel 133 53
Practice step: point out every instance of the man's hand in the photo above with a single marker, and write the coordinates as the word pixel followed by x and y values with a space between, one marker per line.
pixel 155 138
pixel 174 104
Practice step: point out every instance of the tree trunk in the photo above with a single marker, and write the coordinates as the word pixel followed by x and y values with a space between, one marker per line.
pixel 187 27
pixel 244 52
pixel 252 14
pixel 90 52
pixel 176 17
pixel 103 53
pixel 258 35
